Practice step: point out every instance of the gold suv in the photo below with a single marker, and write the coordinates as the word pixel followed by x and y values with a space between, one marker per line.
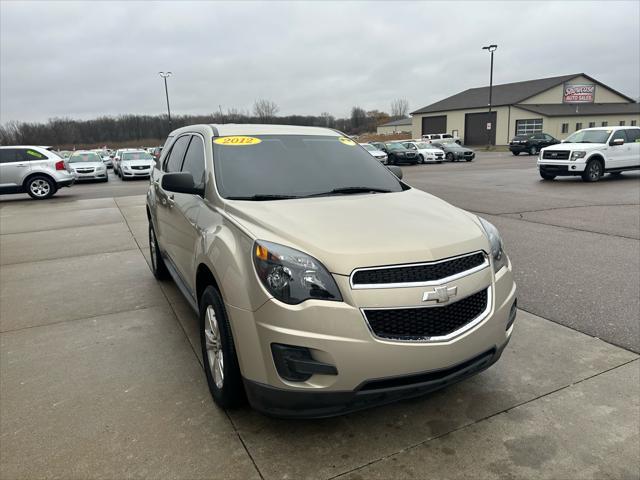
pixel 323 283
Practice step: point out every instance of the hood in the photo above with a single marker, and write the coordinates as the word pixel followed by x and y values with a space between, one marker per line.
pixel 75 165
pixel 576 146
pixel 146 163
pixel 349 231
pixel 378 153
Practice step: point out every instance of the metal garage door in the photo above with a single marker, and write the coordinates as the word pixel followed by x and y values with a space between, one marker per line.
pixel 475 128
pixel 434 124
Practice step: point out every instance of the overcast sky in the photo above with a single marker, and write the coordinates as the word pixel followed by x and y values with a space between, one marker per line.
pixel 85 59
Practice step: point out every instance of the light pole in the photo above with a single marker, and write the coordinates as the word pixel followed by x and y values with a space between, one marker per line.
pixel 490 48
pixel 166 92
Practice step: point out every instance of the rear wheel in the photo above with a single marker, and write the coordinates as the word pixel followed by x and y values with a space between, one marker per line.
pixel 593 171
pixel 40 187
pixel 449 157
pixel 219 352
pixel 516 153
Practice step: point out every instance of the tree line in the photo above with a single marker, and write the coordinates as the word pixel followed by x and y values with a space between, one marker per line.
pixel 66 132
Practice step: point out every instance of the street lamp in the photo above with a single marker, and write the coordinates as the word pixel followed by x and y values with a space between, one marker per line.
pixel 490 48
pixel 166 91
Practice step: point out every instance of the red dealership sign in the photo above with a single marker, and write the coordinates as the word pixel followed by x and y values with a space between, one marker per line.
pixel 579 93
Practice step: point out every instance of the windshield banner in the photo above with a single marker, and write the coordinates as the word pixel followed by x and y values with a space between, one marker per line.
pixel 579 93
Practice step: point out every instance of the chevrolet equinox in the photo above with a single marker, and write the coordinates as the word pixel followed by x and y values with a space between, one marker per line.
pixel 323 282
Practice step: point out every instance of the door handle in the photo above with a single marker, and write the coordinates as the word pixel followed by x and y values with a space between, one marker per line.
pixel 170 201
pixel 21 165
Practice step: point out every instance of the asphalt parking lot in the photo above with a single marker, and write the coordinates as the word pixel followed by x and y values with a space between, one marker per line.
pixel 101 376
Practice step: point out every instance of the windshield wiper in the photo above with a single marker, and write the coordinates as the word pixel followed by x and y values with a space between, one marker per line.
pixel 350 190
pixel 263 197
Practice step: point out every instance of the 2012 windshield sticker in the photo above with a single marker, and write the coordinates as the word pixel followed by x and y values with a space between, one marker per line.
pixel 346 141
pixel 237 141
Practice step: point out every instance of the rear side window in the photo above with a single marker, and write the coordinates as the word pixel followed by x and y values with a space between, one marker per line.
pixel 173 163
pixel 194 161
pixel 633 135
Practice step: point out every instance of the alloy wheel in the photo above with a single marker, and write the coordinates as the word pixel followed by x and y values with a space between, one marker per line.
pixel 215 356
pixel 40 187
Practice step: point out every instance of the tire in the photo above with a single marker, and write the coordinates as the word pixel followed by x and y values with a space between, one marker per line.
pixel 106 178
pixel 390 160
pixel 40 187
pixel 420 159
pixel 533 151
pixel 158 266
pixel 219 352
pixel 449 157
pixel 593 171
pixel 516 153
pixel 546 176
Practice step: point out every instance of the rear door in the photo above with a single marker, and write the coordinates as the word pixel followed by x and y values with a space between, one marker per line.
pixel 633 144
pixel 14 168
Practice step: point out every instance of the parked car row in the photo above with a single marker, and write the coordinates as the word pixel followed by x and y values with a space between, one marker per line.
pixel 418 151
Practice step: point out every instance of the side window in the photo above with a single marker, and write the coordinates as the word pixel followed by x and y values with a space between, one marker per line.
pixel 173 162
pixel 8 155
pixel 633 134
pixel 548 138
pixel 619 134
pixel 30 155
pixel 194 161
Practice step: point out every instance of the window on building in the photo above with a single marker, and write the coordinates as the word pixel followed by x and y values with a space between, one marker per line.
pixel 592 124
pixel 578 126
pixel 634 123
pixel 622 123
pixel 605 124
pixel 529 126
pixel 565 128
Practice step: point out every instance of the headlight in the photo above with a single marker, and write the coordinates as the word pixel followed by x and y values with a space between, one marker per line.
pixel 499 258
pixel 292 276
pixel 577 155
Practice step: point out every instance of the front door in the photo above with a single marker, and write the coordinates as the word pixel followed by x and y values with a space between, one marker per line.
pixel 618 156
pixel 14 168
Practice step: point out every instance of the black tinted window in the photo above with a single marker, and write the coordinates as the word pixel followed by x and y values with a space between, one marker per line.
pixel 633 135
pixel 8 155
pixel 194 161
pixel 174 162
pixel 297 165
pixel 618 134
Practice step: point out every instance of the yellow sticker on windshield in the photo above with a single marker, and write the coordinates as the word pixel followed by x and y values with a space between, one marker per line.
pixel 346 141
pixel 237 141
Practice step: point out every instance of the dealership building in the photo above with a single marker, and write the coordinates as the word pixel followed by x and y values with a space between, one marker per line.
pixel 558 106
pixel 404 125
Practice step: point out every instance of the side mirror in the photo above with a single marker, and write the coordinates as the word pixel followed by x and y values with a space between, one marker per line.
pixel 397 171
pixel 181 182
pixel 616 142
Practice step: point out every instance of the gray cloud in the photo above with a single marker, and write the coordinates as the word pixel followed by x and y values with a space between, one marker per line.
pixel 82 60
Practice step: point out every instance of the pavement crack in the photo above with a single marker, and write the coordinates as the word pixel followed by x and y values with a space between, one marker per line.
pixel 487 417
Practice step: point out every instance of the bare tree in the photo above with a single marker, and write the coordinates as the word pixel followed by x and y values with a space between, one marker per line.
pixel 399 108
pixel 328 120
pixel 265 110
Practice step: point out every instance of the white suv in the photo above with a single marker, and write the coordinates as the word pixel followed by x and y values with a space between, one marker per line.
pixel 591 153
pixel 33 170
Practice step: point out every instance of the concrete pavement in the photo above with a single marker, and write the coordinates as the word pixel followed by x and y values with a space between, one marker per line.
pixel 100 377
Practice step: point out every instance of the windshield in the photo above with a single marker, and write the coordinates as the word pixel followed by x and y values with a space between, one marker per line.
pixel 290 166
pixel 394 146
pixel 368 147
pixel 136 156
pixel 84 157
pixel 589 136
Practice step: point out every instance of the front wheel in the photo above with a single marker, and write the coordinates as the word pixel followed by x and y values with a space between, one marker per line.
pixel 158 266
pixel 533 151
pixel 450 157
pixel 219 352
pixel 516 153
pixel 420 159
pixel 40 187
pixel 593 171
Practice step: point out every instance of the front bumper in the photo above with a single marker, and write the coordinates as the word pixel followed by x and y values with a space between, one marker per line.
pixel 562 168
pixel 370 370
pixel 136 173
pixel 99 175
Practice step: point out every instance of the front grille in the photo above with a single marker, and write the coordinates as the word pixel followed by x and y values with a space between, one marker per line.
pixel 426 272
pixel 439 155
pixel 139 167
pixel 556 154
pixel 410 154
pixel 425 322
pixel 84 170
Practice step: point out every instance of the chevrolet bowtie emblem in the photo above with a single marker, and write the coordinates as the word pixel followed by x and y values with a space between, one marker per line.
pixel 440 294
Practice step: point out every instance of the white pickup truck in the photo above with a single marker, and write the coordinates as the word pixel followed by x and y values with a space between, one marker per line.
pixel 591 153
